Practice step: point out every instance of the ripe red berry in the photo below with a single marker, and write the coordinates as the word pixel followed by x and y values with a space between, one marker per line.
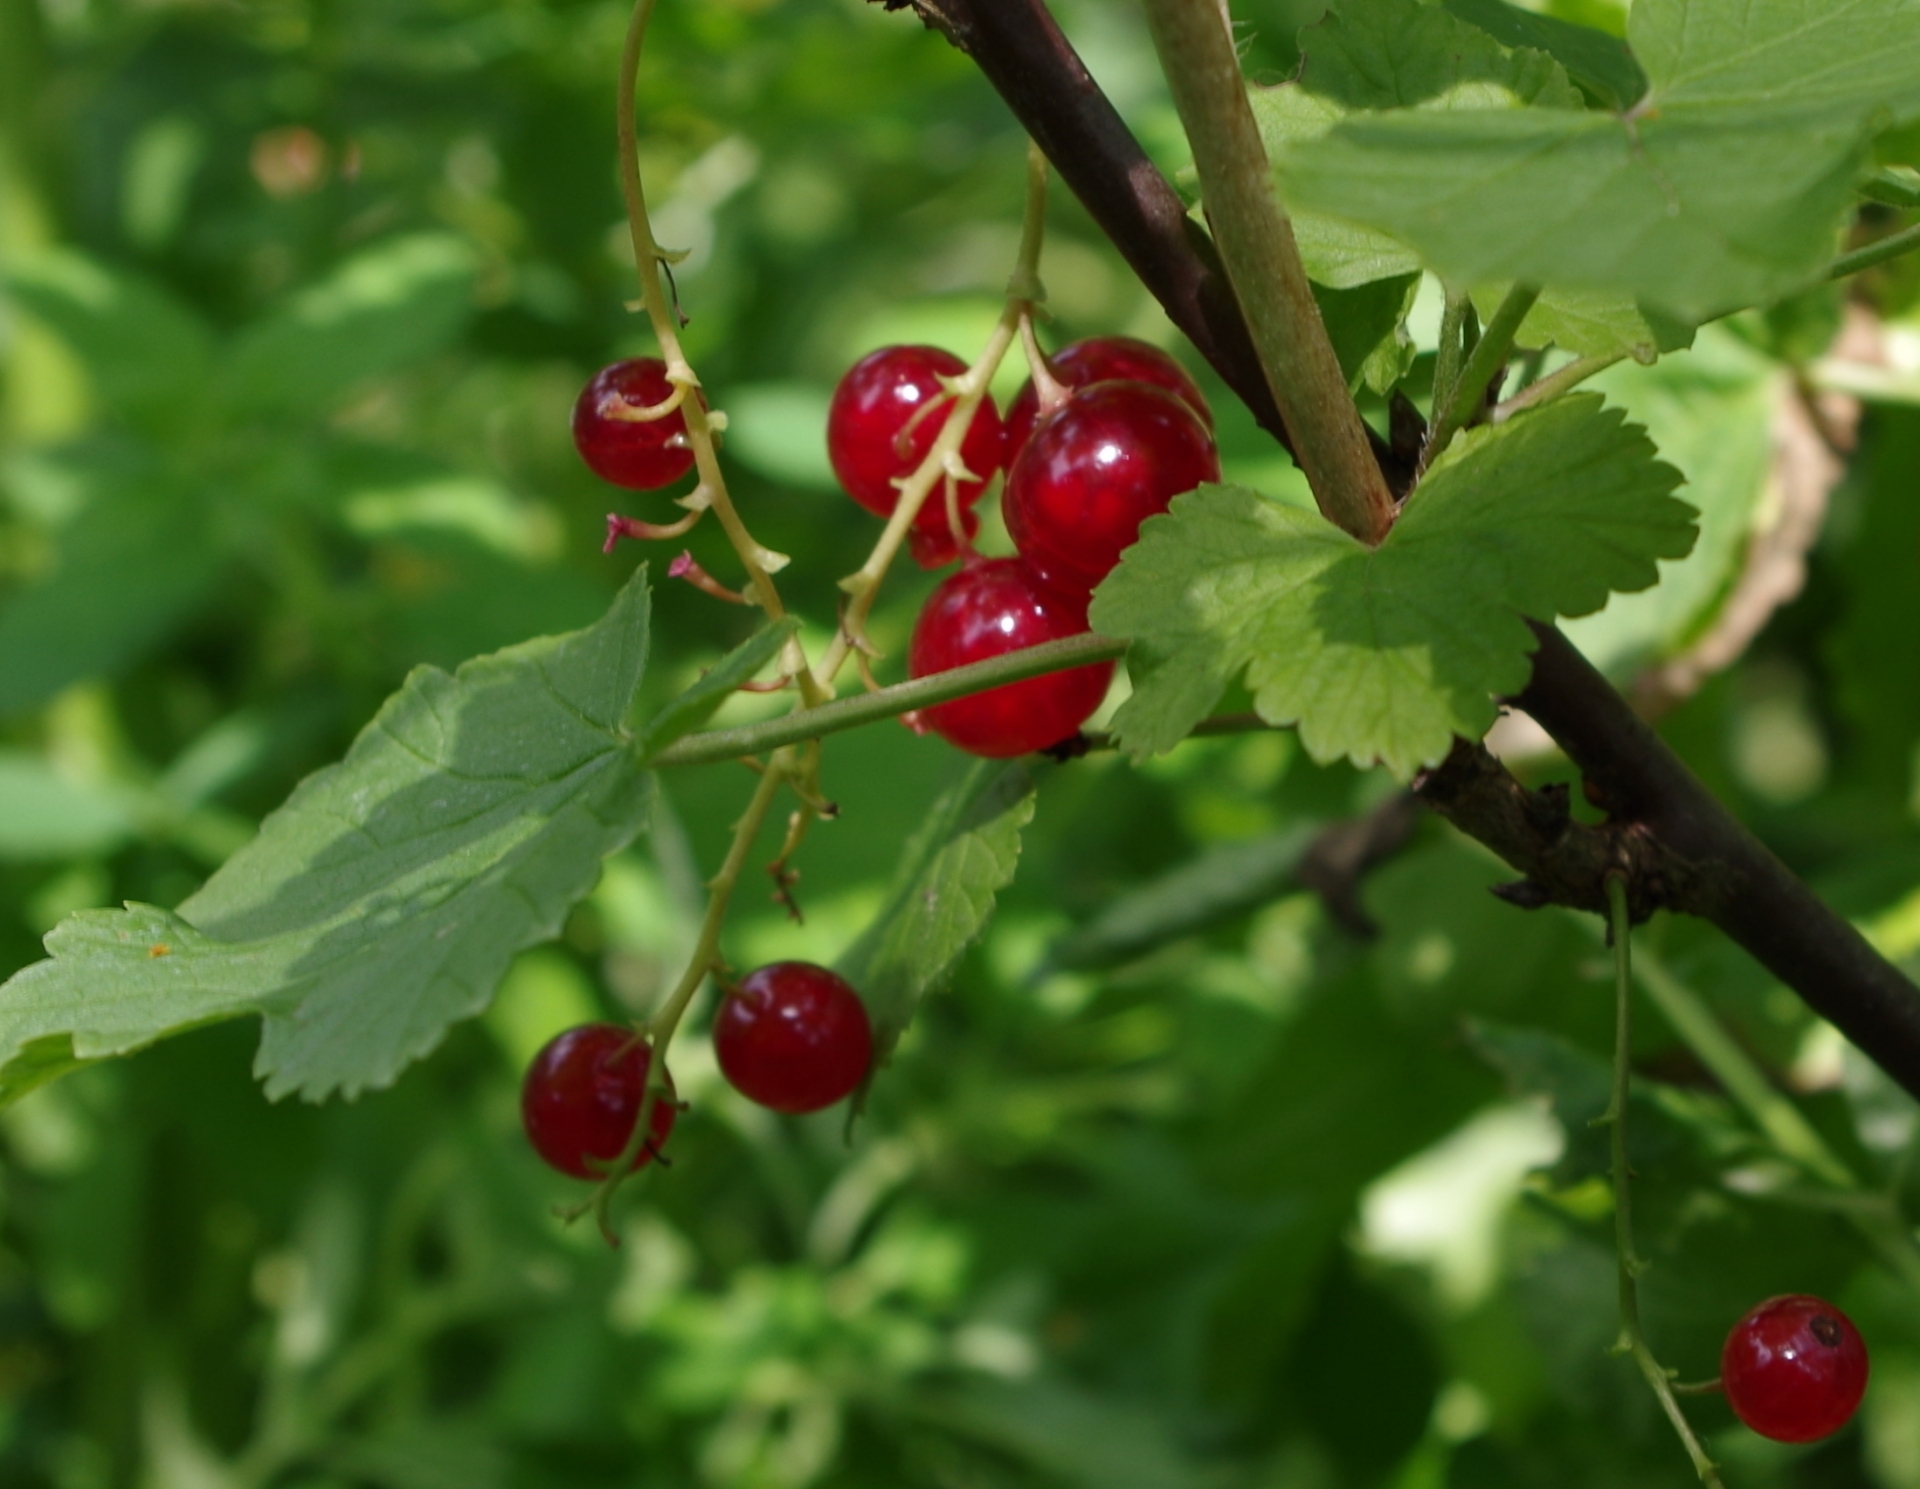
pixel 885 416
pixel 582 1096
pixel 1794 1369
pixel 639 456
pixel 1104 359
pixel 1093 470
pixel 793 1037
pixel 991 607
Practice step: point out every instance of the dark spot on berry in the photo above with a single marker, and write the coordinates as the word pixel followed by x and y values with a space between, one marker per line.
pixel 1826 1329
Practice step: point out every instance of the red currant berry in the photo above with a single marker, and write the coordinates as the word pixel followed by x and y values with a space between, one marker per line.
pixel 885 416
pixel 1104 359
pixel 793 1037
pixel 582 1096
pixel 1794 1369
pixel 1093 470
pixel 641 456
pixel 991 607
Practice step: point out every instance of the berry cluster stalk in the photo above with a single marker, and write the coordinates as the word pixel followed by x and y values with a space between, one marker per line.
pixel 1633 1339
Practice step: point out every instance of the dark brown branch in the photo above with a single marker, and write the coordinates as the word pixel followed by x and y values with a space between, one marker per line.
pixel 1667 829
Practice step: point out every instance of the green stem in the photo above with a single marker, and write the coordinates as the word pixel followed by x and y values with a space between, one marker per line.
pixel 1263 264
pixel 1905 241
pixel 1560 380
pixel 1490 354
pixel 1633 1339
pixel 1452 350
pixel 865 708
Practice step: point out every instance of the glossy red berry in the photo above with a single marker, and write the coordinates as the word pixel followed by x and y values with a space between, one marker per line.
pixel 885 416
pixel 1104 359
pixel 639 456
pixel 793 1036
pixel 991 607
pixel 1093 470
pixel 1794 1369
pixel 582 1096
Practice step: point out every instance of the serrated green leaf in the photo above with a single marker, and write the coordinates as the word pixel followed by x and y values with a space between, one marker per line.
pixel 699 703
pixel 1225 881
pixel 1600 63
pixel 1386 654
pixel 942 895
pixel 144 351
pixel 1657 204
pixel 386 898
pixel 387 306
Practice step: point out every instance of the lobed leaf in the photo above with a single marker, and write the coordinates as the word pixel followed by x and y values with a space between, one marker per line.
pixel 386 898
pixel 1386 654
pixel 1657 204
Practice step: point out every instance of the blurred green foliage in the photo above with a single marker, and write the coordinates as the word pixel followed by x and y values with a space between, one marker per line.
pixel 298 294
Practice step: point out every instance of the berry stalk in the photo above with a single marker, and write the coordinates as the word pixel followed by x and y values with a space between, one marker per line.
pixel 1023 292
pixel 1633 1339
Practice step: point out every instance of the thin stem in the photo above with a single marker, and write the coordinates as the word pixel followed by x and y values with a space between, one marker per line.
pixel 865 708
pixel 705 958
pixel 1490 354
pixel 941 464
pixel 1560 380
pixel 1905 241
pixel 759 561
pixel 1452 349
pixel 1263 263
pixel 1633 1339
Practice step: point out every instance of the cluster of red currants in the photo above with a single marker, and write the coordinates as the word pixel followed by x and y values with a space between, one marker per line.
pixel 791 1036
pixel 1131 432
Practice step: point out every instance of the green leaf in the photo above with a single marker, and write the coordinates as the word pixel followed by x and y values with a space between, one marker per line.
pixel 1386 654
pixel 1600 63
pixel 699 703
pixel 1591 322
pixel 145 352
pixel 942 895
pixel 1658 204
pixel 389 306
pixel 1711 415
pixel 386 898
pixel 1225 881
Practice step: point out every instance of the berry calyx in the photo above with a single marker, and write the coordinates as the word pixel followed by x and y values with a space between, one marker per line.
pixel 641 455
pixel 1104 359
pixel 1794 1368
pixel 582 1095
pixel 793 1036
pixel 885 416
pixel 1093 470
pixel 991 607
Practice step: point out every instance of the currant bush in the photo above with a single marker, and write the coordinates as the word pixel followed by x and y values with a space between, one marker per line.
pixel 1093 470
pixel 1794 1369
pixel 991 607
pixel 793 1036
pixel 582 1095
pixel 885 416
pixel 640 455
pixel 1104 359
